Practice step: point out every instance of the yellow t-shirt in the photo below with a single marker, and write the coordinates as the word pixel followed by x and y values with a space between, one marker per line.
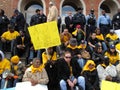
pixel 4 65
pixel 10 36
pixel 113 58
pixel 100 37
pixel 112 37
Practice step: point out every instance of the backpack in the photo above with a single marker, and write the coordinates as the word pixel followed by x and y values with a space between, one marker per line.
pixel 91 19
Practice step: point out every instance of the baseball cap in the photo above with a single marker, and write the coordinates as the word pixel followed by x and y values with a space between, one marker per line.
pixel 50 3
pixel 112 46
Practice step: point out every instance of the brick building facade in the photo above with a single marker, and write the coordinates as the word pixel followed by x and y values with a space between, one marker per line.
pixel 22 5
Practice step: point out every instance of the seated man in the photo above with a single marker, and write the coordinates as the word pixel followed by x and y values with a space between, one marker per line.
pixel 69 73
pixel 107 71
pixel 21 44
pixel 16 73
pixel 8 38
pixel 50 54
pixel 4 65
pixel 36 73
pixel 72 46
pixel 111 38
pixel 65 37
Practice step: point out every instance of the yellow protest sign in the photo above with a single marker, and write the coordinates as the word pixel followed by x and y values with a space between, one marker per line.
pixel 44 35
pixel 107 85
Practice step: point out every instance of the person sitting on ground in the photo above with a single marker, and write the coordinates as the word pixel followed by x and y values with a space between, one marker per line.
pixel 72 46
pixel 65 37
pixel 36 73
pixel 92 41
pixel 69 73
pixel 113 55
pixel 91 76
pixel 4 65
pixel 111 38
pixel 79 34
pixel 17 69
pixel 107 71
pixel 97 54
pixel 21 44
pixel 100 37
pixel 8 38
pixel 50 54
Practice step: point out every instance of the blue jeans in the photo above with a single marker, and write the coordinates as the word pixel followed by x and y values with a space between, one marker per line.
pixel 9 83
pixel 31 56
pixel 81 62
pixel 81 83
pixel 104 46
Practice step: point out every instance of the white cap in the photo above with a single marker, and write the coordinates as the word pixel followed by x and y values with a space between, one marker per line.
pixel 50 3
pixel 111 30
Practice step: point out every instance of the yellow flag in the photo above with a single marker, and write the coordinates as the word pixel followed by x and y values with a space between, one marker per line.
pixel 44 35
pixel 107 85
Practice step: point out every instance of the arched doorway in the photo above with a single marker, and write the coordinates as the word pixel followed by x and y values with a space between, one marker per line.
pixel 70 5
pixel 28 7
pixel 110 6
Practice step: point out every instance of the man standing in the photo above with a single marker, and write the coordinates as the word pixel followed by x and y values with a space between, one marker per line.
pixel 38 18
pixel 116 20
pixel 79 18
pixel 19 20
pixel 69 22
pixel 4 21
pixel 104 23
pixel 90 22
pixel 53 12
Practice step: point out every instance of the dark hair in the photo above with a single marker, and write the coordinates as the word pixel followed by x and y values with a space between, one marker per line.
pixel 2 12
pixel 37 10
pixel 109 51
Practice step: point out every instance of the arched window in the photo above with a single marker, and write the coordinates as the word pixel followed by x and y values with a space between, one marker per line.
pixel 106 8
pixel 31 11
pixel 65 9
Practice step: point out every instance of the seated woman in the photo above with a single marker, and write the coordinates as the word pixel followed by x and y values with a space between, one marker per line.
pixel 97 54
pixel 49 54
pixel 112 54
pixel 100 37
pixel 91 76
pixel 69 73
pixel 79 34
pixel 36 74
pixel 107 71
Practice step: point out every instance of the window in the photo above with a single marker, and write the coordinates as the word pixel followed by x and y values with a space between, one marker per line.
pixel 106 8
pixel 31 11
pixel 65 9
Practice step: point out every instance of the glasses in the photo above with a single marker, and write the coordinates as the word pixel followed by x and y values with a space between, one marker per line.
pixel 67 57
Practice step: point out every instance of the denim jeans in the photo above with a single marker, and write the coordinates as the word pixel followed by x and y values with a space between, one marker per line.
pixel 31 56
pixel 9 84
pixel 81 83
pixel 104 46
pixel 81 62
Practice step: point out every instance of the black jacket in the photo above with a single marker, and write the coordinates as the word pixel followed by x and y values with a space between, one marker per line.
pixel 91 79
pixel 64 70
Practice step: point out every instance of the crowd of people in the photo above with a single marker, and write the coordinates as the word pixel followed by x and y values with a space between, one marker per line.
pixel 89 51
